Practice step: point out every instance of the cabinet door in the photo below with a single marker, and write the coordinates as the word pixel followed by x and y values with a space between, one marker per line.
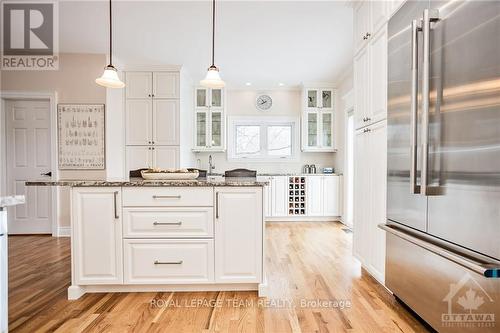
pixel 377 109
pixel 201 129
pixel 326 100
pixel 279 198
pixel 311 130
pixel 97 235
pixel 331 198
pixel 165 157
pixel 138 85
pixel 378 15
pixel 361 24
pixel 361 243
pixel 139 121
pixel 238 235
pixel 139 157
pixel 327 140
pixel 361 87
pixel 312 102
pixel 201 97
pixel 216 98
pixel 165 122
pixel 378 175
pixel 314 193
pixel 216 129
pixel 166 85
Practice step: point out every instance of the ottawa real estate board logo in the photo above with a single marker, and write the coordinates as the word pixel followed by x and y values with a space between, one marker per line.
pixel 29 35
pixel 468 304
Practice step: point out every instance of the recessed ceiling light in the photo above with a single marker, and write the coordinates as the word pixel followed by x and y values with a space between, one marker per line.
pixel 281 84
pixel 248 84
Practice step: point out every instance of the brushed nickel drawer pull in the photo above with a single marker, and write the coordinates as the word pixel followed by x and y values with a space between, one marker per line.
pixel 157 262
pixel 166 196
pixel 167 223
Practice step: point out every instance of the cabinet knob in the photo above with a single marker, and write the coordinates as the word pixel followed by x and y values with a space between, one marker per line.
pixel 368 35
pixel 149 95
pixel 153 95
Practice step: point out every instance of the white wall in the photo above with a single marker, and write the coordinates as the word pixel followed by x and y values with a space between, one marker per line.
pixel 285 103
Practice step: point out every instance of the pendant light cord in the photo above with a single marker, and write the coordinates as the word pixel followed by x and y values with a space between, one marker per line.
pixel 213 32
pixel 110 35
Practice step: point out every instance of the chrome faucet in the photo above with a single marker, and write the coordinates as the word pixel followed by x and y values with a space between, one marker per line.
pixel 211 166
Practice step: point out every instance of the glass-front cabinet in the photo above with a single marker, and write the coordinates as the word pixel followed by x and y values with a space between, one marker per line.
pixel 318 120
pixel 209 120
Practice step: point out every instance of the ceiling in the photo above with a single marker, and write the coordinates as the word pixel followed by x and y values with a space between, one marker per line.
pixel 262 42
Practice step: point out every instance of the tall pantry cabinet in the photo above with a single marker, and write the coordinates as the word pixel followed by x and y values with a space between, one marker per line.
pixel 370 143
pixel 152 107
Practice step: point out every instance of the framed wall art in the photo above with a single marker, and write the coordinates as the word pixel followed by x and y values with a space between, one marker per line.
pixel 81 143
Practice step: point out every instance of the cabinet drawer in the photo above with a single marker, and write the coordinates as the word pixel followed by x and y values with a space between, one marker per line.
pixel 164 197
pixel 168 261
pixel 175 222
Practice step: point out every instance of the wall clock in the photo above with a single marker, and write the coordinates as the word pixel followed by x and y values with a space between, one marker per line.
pixel 264 102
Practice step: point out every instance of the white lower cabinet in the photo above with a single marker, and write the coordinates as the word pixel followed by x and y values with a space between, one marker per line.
pixel 369 198
pixel 178 236
pixel 238 234
pixel 161 261
pixel 97 235
pixel 279 194
pixel 331 196
pixel 314 197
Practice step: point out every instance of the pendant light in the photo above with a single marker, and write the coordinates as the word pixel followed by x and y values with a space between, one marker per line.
pixel 109 78
pixel 213 80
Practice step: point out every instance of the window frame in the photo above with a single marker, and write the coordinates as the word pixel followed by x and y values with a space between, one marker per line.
pixel 263 123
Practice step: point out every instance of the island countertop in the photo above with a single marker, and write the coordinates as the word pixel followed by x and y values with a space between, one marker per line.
pixel 139 182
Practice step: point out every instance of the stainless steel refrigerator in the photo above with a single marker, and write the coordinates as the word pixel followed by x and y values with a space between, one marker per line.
pixel 443 181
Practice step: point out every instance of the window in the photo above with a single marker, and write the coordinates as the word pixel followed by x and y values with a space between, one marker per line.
pixel 261 139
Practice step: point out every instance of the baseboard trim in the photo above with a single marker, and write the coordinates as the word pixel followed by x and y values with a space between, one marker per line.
pixel 63 232
pixel 303 219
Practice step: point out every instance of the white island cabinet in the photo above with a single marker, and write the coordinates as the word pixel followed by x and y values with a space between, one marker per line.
pixel 139 237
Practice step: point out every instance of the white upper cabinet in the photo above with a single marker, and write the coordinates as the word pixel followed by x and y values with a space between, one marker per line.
pixel 378 16
pixel 138 84
pixel 318 119
pixel 378 77
pixel 209 120
pixel 152 85
pixel 139 118
pixel 165 122
pixel 166 85
pixel 97 241
pixel 361 24
pixel 238 234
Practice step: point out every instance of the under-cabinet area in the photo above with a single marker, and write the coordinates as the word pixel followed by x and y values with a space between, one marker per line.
pixel 138 237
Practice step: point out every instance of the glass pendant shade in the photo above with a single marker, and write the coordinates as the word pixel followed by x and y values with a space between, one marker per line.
pixel 212 79
pixel 109 78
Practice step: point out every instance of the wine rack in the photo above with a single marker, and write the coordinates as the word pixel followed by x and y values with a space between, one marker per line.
pixel 296 195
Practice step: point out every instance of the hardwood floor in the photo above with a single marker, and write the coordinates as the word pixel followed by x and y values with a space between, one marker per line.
pixel 306 263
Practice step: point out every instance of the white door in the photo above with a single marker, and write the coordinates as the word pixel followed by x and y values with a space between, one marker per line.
pixel 139 157
pixel 139 118
pixel 166 85
pixel 361 87
pixel 97 223
pixel 279 196
pixel 331 202
pixel 361 244
pixel 138 85
pixel 28 157
pixel 378 77
pixel 349 176
pixel 166 157
pixel 378 177
pixel 165 122
pixel 314 200
pixel 238 235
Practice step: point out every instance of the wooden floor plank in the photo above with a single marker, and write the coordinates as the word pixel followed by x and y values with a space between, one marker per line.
pixel 306 262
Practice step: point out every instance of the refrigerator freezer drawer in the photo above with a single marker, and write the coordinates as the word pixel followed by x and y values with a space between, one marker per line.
pixel 447 295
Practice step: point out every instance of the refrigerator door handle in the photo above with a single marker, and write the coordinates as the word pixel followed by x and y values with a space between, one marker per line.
pixel 486 269
pixel 430 15
pixel 415 28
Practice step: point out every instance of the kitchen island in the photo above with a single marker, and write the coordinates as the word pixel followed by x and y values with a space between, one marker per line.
pixel 139 235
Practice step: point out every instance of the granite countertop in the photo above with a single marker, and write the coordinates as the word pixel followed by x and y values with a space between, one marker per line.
pixel 138 182
pixel 12 200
